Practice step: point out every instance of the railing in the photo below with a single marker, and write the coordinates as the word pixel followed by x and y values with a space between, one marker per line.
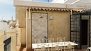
pixel 7 45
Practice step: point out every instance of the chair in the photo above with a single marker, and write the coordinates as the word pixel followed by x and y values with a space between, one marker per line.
pixel 63 43
pixel 70 47
pixel 58 43
pixel 50 40
pixel 43 48
pixel 38 47
pixel 38 41
pixel 57 48
pixel 60 39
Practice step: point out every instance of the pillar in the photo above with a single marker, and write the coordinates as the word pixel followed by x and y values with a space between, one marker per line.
pixel 28 30
pixel 12 33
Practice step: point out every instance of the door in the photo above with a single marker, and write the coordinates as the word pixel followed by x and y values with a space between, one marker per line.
pixel 39 27
pixel 84 32
pixel 75 30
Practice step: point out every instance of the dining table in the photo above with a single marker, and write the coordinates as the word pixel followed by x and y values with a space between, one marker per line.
pixel 53 44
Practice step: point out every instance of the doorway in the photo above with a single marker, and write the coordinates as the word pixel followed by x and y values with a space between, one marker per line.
pixel 84 34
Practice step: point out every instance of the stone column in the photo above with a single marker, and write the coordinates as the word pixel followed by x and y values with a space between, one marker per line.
pixel 28 31
pixel 12 33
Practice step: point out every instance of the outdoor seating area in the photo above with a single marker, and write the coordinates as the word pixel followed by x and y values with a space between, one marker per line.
pixel 60 44
pixel 51 45
pixel 54 46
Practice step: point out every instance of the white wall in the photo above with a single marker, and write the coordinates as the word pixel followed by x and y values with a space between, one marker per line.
pixel 3 25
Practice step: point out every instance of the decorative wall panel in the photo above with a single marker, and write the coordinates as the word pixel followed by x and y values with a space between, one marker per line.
pixel 39 27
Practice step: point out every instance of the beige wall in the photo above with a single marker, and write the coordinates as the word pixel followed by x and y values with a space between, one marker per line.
pixel 58 27
pixel 20 16
pixel 23 36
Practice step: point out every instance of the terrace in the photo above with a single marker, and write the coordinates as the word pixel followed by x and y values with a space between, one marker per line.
pixel 58 15
pixel 11 43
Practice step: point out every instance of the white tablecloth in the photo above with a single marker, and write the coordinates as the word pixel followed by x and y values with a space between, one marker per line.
pixel 53 44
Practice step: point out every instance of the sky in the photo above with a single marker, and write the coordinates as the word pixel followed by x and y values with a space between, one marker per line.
pixel 7 10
